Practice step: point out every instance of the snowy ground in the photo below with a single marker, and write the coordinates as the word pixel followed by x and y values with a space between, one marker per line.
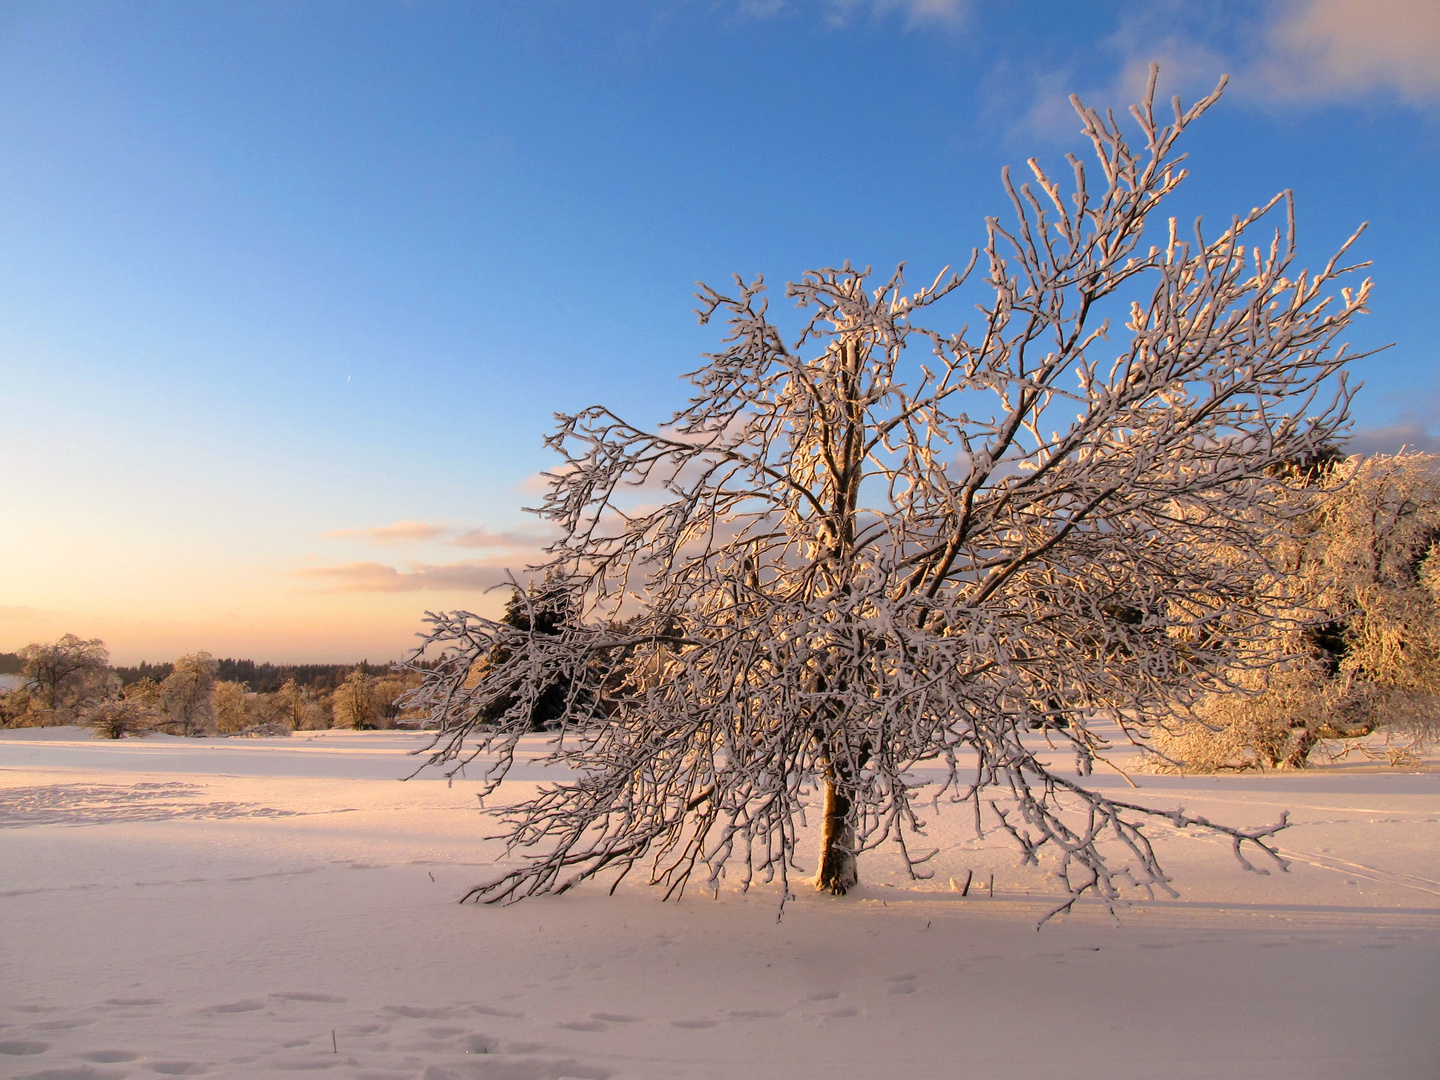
pixel 257 908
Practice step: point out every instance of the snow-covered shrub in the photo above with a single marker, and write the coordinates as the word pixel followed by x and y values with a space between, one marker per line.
pixel 1360 654
pixel 19 708
pixel 233 707
pixel 117 719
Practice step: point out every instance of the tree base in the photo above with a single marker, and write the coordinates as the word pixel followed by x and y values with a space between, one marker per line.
pixel 838 874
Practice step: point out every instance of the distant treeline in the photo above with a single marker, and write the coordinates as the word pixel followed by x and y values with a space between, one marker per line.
pixel 10 663
pixel 261 678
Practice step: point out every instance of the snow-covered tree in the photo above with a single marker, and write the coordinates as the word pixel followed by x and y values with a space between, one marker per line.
pixel 353 704
pixel 543 611
pixel 232 706
pixel 295 707
pixel 879 544
pixel 187 696
pixel 66 676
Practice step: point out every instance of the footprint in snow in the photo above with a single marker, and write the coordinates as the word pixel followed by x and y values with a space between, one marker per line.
pixel 583 1025
pixel 490 1010
pixel 693 1023
pixel 413 1012
pixel 23 1047
pixel 177 1068
pixel 236 1007
pixel 616 1018
pixel 297 995
pixel 110 1057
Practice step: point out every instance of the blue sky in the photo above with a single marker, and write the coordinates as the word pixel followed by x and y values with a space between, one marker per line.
pixel 277 276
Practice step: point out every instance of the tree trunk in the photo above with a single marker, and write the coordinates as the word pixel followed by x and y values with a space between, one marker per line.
pixel 1300 753
pixel 838 873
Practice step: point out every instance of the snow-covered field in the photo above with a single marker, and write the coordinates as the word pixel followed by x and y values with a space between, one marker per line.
pixel 258 908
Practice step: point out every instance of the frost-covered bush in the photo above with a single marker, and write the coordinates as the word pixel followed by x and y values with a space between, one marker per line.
pixel 117 719
pixel 1270 719
pixel 1362 653
pixel 18 708
pixel 233 707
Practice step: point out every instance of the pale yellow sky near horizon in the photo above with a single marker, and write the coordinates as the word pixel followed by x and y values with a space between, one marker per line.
pixel 153 601
pixel 273 378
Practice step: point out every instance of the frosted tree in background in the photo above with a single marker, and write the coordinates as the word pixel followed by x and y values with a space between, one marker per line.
pixel 187 696
pixel 354 705
pixel 294 708
pixel 64 677
pixel 880 543
pixel 232 707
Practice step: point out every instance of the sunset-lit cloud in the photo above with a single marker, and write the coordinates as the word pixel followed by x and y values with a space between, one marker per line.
pixel 1337 48
pixel 402 532
pixel 413 532
pixel 1283 52
pixel 469 575
pixel 484 538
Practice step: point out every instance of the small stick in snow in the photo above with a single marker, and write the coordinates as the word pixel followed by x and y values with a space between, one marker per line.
pixel 969 874
pixel 992 886
pixel 334 1046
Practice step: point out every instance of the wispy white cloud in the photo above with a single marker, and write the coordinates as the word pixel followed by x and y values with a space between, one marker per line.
pixel 471 575
pixel 402 532
pixel 914 12
pixel 761 9
pixel 1037 100
pixel 842 12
